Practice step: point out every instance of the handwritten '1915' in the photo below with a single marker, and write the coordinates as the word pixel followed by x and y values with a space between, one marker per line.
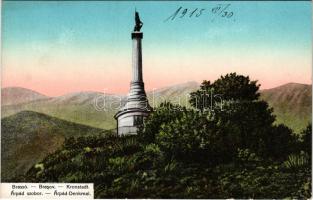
pixel 221 10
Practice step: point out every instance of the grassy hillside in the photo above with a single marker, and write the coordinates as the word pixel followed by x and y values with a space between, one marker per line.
pixel 122 167
pixel 292 104
pixel 27 137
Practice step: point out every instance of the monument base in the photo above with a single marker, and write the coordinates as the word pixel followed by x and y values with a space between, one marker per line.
pixel 128 121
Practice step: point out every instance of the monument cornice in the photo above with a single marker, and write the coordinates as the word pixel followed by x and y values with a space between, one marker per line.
pixel 137 34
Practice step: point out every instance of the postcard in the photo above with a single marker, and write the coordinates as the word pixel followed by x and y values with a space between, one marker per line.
pixel 156 99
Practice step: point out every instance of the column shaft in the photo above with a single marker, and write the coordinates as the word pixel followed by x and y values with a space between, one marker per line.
pixel 137 60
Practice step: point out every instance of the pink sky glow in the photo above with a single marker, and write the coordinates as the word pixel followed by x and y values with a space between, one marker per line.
pixel 58 74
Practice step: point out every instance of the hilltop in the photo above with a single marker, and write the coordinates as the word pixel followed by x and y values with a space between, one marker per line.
pixel 16 95
pixel 27 137
pixel 292 104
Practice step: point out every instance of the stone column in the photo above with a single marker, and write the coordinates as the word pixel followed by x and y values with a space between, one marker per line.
pixel 137 57
pixel 137 107
pixel 137 91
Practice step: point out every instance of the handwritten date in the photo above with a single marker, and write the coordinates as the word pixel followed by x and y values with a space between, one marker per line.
pixel 220 10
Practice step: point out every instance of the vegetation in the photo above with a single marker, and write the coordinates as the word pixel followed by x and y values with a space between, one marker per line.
pixel 225 149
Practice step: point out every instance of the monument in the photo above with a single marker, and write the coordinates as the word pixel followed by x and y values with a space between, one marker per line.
pixel 137 107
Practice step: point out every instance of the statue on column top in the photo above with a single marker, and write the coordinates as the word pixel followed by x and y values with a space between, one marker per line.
pixel 139 23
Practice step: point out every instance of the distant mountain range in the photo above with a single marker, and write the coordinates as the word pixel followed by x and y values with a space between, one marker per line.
pixel 35 125
pixel 75 107
pixel 291 103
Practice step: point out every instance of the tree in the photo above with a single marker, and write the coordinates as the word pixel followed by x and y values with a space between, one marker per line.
pixel 165 113
pixel 279 142
pixel 237 87
pixel 245 125
pixel 192 137
pixel 231 87
pixel 243 120
pixel 200 99
pixel 306 139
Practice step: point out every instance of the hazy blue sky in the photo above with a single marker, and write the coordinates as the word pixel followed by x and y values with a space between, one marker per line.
pixel 58 47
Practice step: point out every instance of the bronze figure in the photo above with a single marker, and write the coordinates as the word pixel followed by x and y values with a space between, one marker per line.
pixel 139 23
